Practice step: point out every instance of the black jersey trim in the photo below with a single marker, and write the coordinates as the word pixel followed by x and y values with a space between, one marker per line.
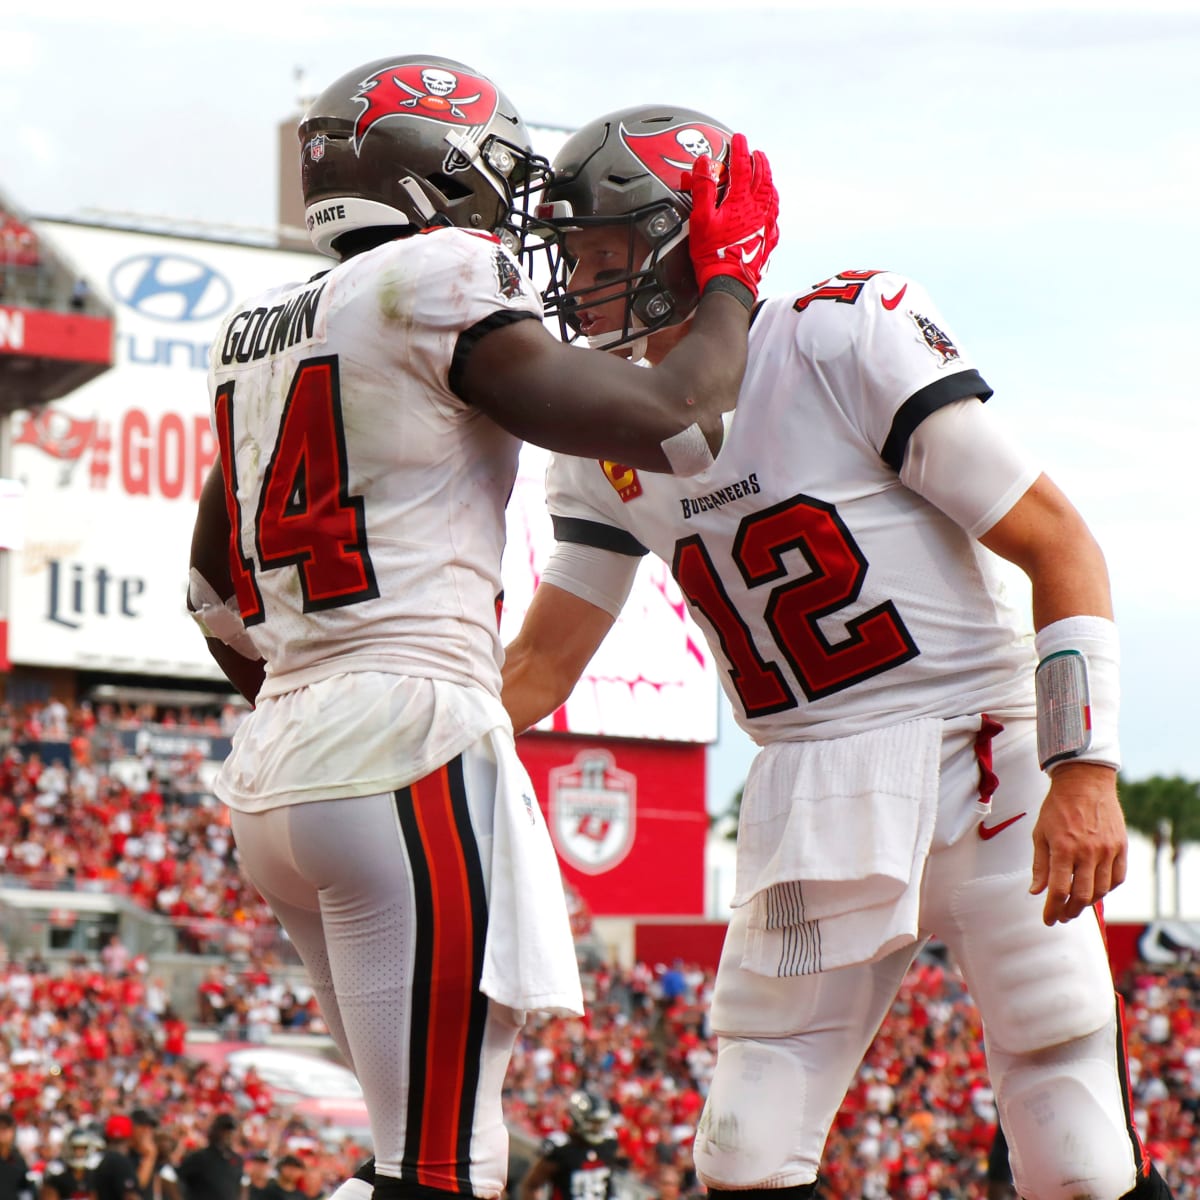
pixel 469 337
pixel 920 405
pixel 593 533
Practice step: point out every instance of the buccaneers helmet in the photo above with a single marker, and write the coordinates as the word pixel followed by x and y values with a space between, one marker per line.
pixel 590 1115
pixel 415 141
pixel 631 169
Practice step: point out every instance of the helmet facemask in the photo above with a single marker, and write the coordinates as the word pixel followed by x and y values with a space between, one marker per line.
pixel 514 173
pixel 630 169
pixel 655 285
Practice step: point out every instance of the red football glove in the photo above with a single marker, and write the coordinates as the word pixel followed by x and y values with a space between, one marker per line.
pixel 734 238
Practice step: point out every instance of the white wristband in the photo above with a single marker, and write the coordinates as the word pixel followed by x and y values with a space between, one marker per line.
pixel 219 619
pixel 687 451
pixel 1090 648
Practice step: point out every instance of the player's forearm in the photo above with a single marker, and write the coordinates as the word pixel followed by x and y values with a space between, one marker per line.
pixel 705 369
pixel 668 419
pixel 1046 537
pixel 1072 583
pixel 245 674
pixel 532 690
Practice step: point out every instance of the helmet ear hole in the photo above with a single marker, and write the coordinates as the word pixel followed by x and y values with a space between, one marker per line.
pixel 451 188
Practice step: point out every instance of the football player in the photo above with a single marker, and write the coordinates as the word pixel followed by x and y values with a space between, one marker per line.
pixel 577 1164
pixel 346 571
pixel 924 767
pixel 75 1177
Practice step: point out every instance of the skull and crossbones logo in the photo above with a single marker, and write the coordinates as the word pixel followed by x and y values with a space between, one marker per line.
pixel 695 143
pixel 440 86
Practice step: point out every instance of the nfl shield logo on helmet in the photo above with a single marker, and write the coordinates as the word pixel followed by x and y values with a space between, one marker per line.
pixel 316 148
pixel 593 809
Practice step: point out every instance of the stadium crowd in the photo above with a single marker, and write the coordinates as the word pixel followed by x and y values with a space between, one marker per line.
pixel 93 816
pixel 96 1036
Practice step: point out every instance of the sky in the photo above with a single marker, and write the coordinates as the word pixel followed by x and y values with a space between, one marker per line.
pixel 1035 166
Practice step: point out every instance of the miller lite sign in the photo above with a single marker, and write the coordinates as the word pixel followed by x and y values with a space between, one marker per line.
pixel 593 811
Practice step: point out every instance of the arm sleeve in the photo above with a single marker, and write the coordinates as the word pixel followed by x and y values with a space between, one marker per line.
pixel 601 577
pixel 488 290
pixel 962 460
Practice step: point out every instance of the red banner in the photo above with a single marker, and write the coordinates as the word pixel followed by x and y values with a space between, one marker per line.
pixel 35 333
pixel 628 820
pixel 692 942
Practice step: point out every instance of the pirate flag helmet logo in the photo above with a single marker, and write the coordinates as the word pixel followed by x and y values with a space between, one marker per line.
pixel 670 154
pixel 435 92
pixel 415 141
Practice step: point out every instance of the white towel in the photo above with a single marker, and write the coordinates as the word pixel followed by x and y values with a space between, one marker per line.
pixel 832 844
pixel 529 955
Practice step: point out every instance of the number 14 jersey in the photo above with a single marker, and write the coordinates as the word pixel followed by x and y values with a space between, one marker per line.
pixel 367 498
pixel 836 599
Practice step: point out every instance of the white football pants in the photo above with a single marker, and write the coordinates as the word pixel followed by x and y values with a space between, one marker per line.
pixel 788 1049
pixel 386 900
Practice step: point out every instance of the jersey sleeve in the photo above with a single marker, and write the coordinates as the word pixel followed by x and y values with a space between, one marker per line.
pixel 463 286
pixel 580 509
pixel 904 361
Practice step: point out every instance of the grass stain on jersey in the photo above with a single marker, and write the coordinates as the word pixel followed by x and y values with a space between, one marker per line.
pixel 397 299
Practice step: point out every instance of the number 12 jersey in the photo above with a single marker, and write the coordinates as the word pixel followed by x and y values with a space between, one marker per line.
pixel 836 598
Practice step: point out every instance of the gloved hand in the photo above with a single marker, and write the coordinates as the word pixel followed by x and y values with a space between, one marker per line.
pixel 730 242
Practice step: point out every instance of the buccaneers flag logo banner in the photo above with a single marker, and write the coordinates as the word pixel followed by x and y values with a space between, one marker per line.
pixel 670 153
pixel 436 93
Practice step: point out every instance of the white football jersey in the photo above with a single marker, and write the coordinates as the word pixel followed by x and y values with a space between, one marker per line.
pixel 835 598
pixel 369 497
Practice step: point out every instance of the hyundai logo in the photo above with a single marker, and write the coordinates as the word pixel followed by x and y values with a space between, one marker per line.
pixel 170 287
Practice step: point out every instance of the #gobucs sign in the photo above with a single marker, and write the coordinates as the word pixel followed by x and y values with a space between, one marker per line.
pixel 593 810
pixel 670 154
pixel 451 97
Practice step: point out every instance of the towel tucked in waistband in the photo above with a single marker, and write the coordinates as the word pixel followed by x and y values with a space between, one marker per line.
pixel 529 956
pixel 832 842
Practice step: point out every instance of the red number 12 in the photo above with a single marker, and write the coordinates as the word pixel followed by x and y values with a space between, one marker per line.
pixel 875 641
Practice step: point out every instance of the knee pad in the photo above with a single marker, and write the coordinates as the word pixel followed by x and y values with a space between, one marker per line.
pixel 1064 1114
pixel 1036 986
pixel 752 1132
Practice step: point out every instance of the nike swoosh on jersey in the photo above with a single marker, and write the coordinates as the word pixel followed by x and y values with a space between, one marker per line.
pixel 986 832
pixel 891 304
